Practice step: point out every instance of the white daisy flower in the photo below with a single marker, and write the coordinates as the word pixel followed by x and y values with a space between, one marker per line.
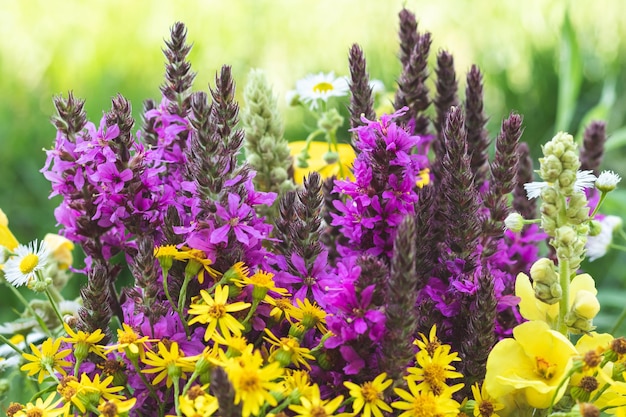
pixel 607 181
pixel 598 245
pixel 315 87
pixel 26 261
pixel 584 179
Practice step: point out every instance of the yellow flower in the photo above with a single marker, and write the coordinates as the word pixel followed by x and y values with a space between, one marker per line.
pixel 287 350
pixel 262 282
pixel 534 364
pixel 341 169
pixel 253 383
pixel 47 408
pixel 432 371
pixel 197 403
pixel 533 309
pixel 297 380
pixel 47 360
pixel 115 407
pixel 486 405
pixel 88 393
pixel 84 342
pixel 309 315
pixel 314 406
pixel 170 363
pixel 215 312
pixel 282 307
pixel 431 343
pixel 418 403
pixel 60 248
pixel 6 237
pixel 369 396
pixel 130 341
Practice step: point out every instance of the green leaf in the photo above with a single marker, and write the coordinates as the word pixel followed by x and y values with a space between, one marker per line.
pixel 570 76
pixel 616 140
pixel 601 110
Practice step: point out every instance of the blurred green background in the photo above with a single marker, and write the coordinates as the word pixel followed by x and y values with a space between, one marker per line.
pixel 533 62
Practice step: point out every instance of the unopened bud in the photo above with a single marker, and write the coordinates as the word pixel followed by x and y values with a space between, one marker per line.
pixel 514 222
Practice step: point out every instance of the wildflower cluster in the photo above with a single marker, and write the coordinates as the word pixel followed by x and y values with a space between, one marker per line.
pixel 302 278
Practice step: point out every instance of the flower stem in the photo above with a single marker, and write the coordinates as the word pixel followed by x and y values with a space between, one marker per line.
pixel 31 310
pixel 564 275
pixel 11 344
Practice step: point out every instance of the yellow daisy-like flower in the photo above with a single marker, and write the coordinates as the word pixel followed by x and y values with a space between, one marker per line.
pixel 84 342
pixel 282 307
pixel 165 254
pixel 287 350
pixel 419 403
pixel 41 408
pixel 369 396
pixel 432 372
pixel 116 407
pixel 47 360
pixel 197 403
pixel 198 259
pixel 252 382
pixel 297 380
pixel 309 315
pixel 130 342
pixel 6 237
pixel 262 283
pixel 214 312
pixel 341 169
pixel 431 343
pixel 168 363
pixel 314 406
pixel 89 393
pixel 486 405
pixel 533 364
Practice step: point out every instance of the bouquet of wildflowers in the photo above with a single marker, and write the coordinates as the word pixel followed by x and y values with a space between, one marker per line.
pixel 397 274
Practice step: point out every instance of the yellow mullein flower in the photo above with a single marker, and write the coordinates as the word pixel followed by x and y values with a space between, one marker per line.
pixel 116 408
pixel 60 249
pixel 214 312
pixel 432 372
pixel 342 168
pixel 41 408
pixel 130 342
pixel 88 393
pixel 47 360
pixel 309 315
pixel 418 403
pixel 369 396
pixel 532 308
pixel 253 383
pixel 262 283
pixel 485 405
pixel 197 403
pixel 314 406
pixel 287 350
pixel 84 342
pixel 533 364
pixel 6 237
pixel 168 363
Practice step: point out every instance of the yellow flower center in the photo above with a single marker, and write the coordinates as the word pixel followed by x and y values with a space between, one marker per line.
pixel 486 409
pixel 127 338
pixel 263 279
pixel 249 382
pixel 234 221
pixel 323 87
pixel 34 412
pixel 28 263
pixel 544 368
pixel 424 406
pixel 109 409
pixel 217 311
pixel 370 394
pixel 318 411
pixel 434 375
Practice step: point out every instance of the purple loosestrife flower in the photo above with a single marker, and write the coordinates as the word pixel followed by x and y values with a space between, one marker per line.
pixel 236 218
pixel 311 282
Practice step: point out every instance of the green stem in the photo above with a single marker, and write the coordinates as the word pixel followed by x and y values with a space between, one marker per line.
pixel 182 298
pixel 31 310
pixel 564 275
pixel 602 198
pixel 176 395
pixel 166 288
pixel 192 378
pixel 618 247
pixel 11 345
pixel 54 306
pixel 255 304
pixel 135 362
pixel 619 321
pixel 320 345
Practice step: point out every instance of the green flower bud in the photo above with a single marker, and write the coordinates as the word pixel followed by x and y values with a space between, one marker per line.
pixel 565 235
pixel 549 195
pixel 550 168
pixel 331 157
pixel 330 120
pixel 514 222
pixel 594 228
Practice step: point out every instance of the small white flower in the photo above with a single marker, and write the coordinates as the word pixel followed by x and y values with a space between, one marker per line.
pixel 26 261
pixel 315 87
pixel 533 189
pixel 514 222
pixel 584 179
pixel 598 245
pixel 607 181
